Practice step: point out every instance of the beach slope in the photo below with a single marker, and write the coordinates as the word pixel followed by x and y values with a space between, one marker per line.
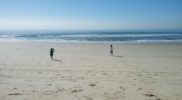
pixel 89 72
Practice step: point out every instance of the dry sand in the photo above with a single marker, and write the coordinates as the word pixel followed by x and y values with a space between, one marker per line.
pixel 88 72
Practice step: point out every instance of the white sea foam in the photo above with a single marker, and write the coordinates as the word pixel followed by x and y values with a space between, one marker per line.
pixel 94 37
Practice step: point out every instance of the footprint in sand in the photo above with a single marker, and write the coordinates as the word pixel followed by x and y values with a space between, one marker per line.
pixel 139 88
pixel 15 88
pixel 15 94
pixel 49 84
pixel 92 85
pixel 152 96
pixel 75 91
pixel 122 88
pixel 33 91
pixel 149 95
pixel 105 74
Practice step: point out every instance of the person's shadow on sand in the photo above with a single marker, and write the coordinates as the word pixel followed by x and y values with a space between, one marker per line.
pixel 57 60
pixel 117 56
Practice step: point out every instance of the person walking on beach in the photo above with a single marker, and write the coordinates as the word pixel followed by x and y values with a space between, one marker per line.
pixel 52 53
pixel 111 51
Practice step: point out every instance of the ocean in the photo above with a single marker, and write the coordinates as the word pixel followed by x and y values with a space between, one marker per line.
pixel 92 36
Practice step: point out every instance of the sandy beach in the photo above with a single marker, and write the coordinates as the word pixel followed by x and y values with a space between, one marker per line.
pixel 89 72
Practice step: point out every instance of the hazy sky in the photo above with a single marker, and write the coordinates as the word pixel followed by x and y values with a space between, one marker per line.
pixel 91 14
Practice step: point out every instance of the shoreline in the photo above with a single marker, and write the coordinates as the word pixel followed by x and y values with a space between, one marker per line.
pixel 104 43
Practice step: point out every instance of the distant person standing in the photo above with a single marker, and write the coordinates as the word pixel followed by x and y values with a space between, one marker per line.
pixel 111 51
pixel 52 53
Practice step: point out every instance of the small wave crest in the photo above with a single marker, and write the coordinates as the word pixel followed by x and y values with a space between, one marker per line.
pixel 95 37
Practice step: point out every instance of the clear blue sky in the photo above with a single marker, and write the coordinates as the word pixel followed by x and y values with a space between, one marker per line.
pixel 91 14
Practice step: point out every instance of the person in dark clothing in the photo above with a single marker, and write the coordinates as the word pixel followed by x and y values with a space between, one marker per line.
pixel 52 53
pixel 111 51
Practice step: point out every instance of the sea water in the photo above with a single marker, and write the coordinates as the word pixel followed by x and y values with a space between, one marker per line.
pixel 92 36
